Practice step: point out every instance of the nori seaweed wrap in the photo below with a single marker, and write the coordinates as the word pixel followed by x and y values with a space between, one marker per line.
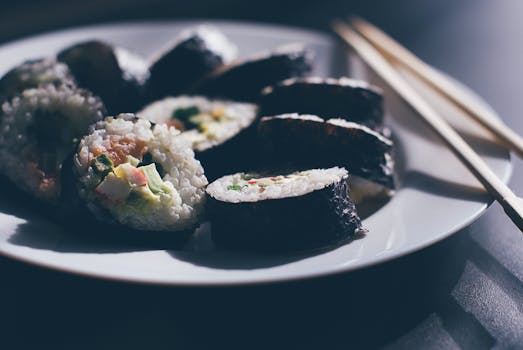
pixel 244 80
pixel 306 141
pixel 113 73
pixel 304 210
pixel 350 99
pixel 191 57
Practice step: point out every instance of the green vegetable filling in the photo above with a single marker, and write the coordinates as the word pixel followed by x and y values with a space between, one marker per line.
pixel 154 180
pixel 184 115
pixel 234 187
pixel 148 159
pixel 102 165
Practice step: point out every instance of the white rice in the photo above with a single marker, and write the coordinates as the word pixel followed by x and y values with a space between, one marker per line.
pixel 132 65
pixel 32 74
pixel 343 81
pixel 310 117
pixel 239 117
pixel 291 185
pixel 346 124
pixel 181 209
pixel 19 150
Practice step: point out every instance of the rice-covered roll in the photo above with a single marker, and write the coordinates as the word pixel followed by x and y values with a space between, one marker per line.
pixel 140 175
pixel 194 54
pixel 113 73
pixel 244 80
pixel 307 141
pixel 33 74
pixel 281 212
pixel 345 98
pixel 38 130
pixel 219 131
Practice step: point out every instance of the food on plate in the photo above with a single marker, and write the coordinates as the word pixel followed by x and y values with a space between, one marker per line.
pixel 289 141
pixel 38 130
pixel 219 131
pixel 139 175
pixel 244 80
pixel 345 98
pixel 193 55
pixel 33 74
pixel 113 73
pixel 307 141
pixel 279 212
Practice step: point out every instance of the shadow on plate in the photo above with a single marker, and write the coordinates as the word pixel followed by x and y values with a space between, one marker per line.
pixel 43 229
pixel 428 183
pixel 201 251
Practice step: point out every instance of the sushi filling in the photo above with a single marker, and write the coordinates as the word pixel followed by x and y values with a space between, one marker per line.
pixel 39 129
pixel 191 117
pixel 131 181
pixel 205 123
pixel 144 175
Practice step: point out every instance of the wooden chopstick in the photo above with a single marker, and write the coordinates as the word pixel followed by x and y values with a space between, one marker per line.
pixel 441 84
pixel 512 204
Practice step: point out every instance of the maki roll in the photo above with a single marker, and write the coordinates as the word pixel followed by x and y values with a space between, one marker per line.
pixel 219 131
pixel 302 210
pixel 244 80
pixel 113 73
pixel 38 130
pixel 345 98
pixel 191 57
pixel 306 141
pixel 142 176
pixel 33 74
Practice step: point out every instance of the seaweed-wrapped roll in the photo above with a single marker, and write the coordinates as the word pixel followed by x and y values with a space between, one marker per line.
pixel 191 57
pixel 113 73
pixel 244 80
pixel 39 130
pixel 307 141
pixel 302 210
pixel 143 176
pixel 33 74
pixel 345 98
pixel 219 131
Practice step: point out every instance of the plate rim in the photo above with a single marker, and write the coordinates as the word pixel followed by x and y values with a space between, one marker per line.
pixel 298 276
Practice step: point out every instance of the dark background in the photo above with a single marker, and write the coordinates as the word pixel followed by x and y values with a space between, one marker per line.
pixel 465 292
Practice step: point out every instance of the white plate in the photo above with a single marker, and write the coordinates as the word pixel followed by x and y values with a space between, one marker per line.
pixel 436 198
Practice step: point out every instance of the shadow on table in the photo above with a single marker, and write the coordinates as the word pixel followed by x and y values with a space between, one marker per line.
pixel 386 305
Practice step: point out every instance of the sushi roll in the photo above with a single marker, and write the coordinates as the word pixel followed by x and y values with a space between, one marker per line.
pixel 129 172
pixel 345 98
pixel 219 131
pixel 302 210
pixel 307 141
pixel 32 74
pixel 191 57
pixel 113 73
pixel 244 80
pixel 38 130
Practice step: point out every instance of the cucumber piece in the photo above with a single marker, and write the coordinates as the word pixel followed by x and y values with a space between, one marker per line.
pixel 154 180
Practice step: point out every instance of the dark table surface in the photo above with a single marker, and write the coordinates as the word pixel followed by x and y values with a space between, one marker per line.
pixel 465 292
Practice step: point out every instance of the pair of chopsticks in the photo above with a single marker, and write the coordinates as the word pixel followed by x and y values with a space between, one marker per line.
pixel 379 52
